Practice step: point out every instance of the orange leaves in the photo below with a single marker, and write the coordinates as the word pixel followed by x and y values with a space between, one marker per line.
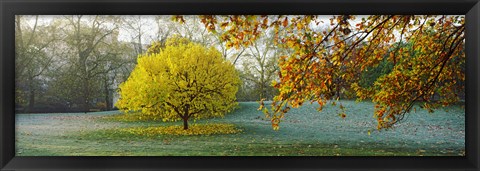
pixel 275 122
pixel 223 25
pixel 238 30
pixel 285 22
pixel 379 112
pixel 410 59
pixel 265 23
pixel 209 21
pixel 240 36
pixel 392 55
pixel 262 105
pixel 178 18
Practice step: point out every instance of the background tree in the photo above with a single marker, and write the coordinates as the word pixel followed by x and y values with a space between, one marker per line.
pixel 35 52
pixel 191 28
pixel 182 81
pixel 163 28
pixel 90 39
pixel 136 26
pixel 259 68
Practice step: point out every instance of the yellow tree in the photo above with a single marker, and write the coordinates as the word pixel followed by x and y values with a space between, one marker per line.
pixel 183 80
pixel 326 62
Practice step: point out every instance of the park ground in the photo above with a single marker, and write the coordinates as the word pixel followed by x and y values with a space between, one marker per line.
pixel 303 132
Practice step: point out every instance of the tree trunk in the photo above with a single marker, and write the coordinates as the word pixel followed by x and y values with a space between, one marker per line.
pixel 338 90
pixel 31 102
pixel 185 123
pixel 86 95
pixel 84 77
pixel 185 117
pixel 31 95
pixel 107 95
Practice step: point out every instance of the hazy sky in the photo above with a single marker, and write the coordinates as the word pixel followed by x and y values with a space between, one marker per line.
pixel 150 27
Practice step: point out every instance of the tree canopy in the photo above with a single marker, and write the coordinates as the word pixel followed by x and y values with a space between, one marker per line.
pixel 426 54
pixel 183 80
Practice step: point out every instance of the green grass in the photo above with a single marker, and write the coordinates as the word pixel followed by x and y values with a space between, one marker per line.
pixel 304 132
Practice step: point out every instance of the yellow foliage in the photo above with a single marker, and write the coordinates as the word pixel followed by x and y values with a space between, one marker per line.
pixel 183 80
pixel 197 129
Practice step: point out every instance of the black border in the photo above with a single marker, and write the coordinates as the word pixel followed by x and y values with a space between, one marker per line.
pixel 9 8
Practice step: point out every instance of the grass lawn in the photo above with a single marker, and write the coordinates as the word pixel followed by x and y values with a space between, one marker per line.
pixel 303 132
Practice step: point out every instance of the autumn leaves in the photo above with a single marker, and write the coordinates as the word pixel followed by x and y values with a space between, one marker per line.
pixel 329 58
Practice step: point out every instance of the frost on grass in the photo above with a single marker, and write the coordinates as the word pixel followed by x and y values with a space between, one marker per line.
pixel 132 117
